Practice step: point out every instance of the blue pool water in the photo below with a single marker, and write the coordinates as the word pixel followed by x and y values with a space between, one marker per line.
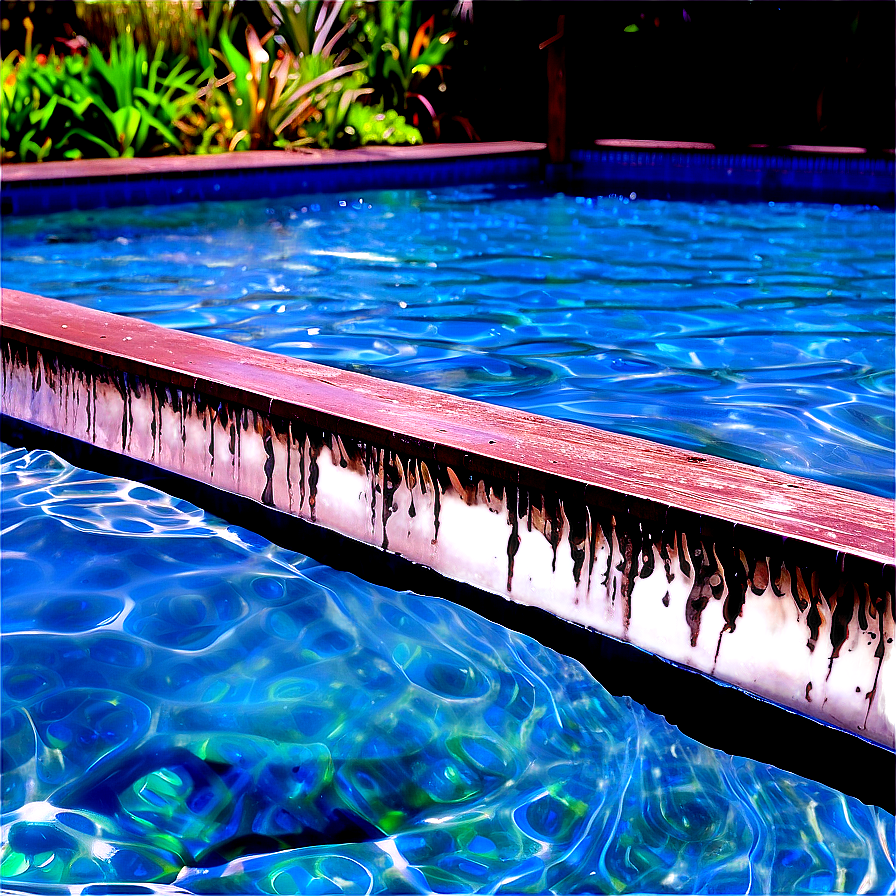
pixel 759 332
pixel 187 705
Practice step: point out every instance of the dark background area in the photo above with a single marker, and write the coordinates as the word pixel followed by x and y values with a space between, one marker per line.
pixel 733 74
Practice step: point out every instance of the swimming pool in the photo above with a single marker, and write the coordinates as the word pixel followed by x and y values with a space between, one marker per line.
pixel 386 344
pixel 758 332
pixel 187 704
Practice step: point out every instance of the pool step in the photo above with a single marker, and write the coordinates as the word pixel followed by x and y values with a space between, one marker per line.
pixel 779 585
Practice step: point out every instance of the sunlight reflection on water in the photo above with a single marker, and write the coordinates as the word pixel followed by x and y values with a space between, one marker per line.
pixel 186 704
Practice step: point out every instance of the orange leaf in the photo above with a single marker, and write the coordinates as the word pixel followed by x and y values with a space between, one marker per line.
pixel 423 37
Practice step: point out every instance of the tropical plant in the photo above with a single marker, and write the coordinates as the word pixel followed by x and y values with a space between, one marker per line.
pixel 271 93
pixel 400 51
pixel 39 104
pixel 288 88
pixel 137 100
pixel 306 28
pixel 293 88
pixel 68 107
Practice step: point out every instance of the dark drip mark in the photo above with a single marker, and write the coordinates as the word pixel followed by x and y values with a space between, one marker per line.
pixel 513 542
pixel 242 425
pixel 161 402
pixel 412 484
pixel 735 577
pixel 666 557
pixel 648 558
pixel 130 399
pixel 808 692
pixel 437 505
pixel 701 591
pixel 6 350
pixel 666 604
pixel 576 516
pixel 314 448
pixel 608 573
pixel 212 422
pixel 374 489
pixel 232 445
pixel 554 518
pixel 183 430
pixel 863 616
pixel 88 393
pixel 392 477
pixel 35 376
pixel 289 464
pixel 153 425
pixel 842 603
pixel 304 440
pixel 878 606
pixel 267 496
pixel 125 395
pixel 93 388
pixel 628 566
pixel 815 618
pixel 592 526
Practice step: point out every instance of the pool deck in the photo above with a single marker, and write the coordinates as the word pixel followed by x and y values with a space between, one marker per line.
pixel 735 571
pixel 259 159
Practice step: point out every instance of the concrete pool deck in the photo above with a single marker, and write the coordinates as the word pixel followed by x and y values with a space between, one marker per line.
pixel 779 585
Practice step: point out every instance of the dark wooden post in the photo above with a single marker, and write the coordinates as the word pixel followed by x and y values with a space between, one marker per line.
pixel 556 47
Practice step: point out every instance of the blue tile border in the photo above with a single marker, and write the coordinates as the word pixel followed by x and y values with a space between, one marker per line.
pixel 651 173
pixel 44 196
pixel 772 176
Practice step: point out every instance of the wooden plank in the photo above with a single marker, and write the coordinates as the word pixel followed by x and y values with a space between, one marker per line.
pixel 488 438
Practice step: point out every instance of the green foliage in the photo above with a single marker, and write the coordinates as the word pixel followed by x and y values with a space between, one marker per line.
pixel 306 28
pixel 270 94
pixel 291 87
pixel 42 99
pixel 375 126
pixel 72 107
pixel 138 100
pixel 350 123
pixel 399 50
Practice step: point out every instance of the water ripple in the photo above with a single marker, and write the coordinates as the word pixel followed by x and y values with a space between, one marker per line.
pixel 196 710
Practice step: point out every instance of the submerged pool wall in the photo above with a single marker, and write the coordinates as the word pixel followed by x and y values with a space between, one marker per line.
pixel 779 585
